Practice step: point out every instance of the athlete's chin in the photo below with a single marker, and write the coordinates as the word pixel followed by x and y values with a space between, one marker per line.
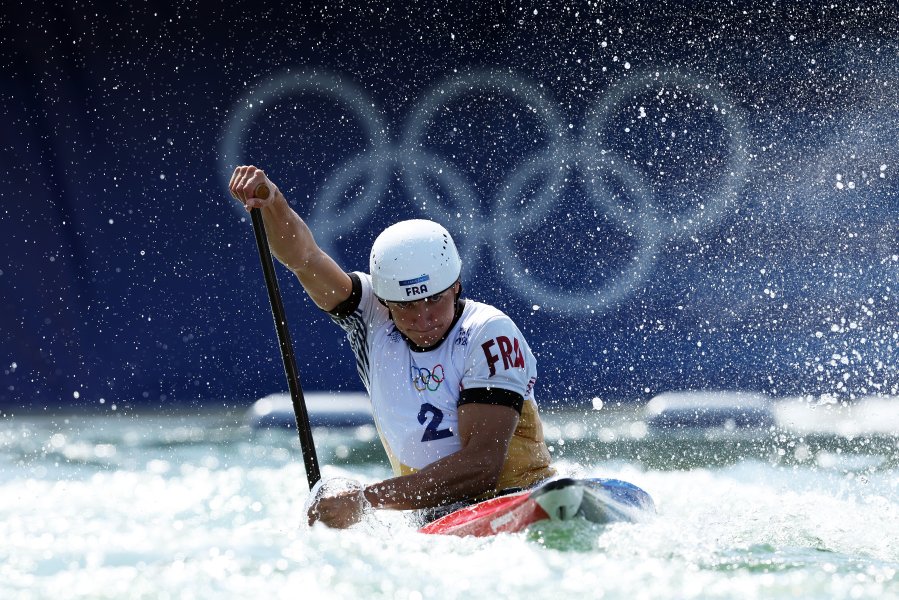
pixel 423 338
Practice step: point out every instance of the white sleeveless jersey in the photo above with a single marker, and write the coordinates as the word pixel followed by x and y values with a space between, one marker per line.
pixel 415 394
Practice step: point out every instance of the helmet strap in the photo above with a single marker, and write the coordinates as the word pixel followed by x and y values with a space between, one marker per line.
pixel 458 295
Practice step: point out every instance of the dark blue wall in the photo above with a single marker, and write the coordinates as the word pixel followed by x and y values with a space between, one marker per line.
pixel 666 198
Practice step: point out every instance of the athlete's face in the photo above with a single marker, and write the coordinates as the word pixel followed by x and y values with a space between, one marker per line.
pixel 426 321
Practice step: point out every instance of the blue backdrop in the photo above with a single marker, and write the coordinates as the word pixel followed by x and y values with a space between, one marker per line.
pixel 675 197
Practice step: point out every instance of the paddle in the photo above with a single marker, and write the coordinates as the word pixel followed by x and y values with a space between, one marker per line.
pixel 307 444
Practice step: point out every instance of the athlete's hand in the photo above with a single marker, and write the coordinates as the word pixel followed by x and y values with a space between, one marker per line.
pixel 252 188
pixel 340 510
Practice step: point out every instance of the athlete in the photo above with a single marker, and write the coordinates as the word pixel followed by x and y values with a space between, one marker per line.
pixel 451 380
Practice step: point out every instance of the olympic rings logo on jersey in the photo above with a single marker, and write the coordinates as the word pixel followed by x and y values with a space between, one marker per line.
pixel 424 379
pixel 640 216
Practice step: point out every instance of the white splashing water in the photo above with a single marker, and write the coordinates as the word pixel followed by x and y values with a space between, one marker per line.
pixel 139 508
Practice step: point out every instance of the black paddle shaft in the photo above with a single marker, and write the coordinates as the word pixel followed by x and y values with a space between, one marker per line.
pixel 307 444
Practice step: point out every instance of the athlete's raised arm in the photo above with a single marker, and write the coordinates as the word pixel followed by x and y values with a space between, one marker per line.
pixel 291 240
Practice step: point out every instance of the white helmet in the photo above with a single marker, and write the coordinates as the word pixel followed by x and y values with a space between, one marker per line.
pixel 412 260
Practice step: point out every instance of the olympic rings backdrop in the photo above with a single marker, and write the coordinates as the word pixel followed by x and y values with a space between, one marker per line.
pixel 661 199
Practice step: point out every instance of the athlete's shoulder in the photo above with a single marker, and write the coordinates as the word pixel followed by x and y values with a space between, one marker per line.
pixel 498 354
pixel 361 303
pixel 482 321
pixel 365 278
pixel 478 314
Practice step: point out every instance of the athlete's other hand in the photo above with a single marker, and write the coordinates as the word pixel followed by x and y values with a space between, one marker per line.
pixel 246 182
pixel 340 511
